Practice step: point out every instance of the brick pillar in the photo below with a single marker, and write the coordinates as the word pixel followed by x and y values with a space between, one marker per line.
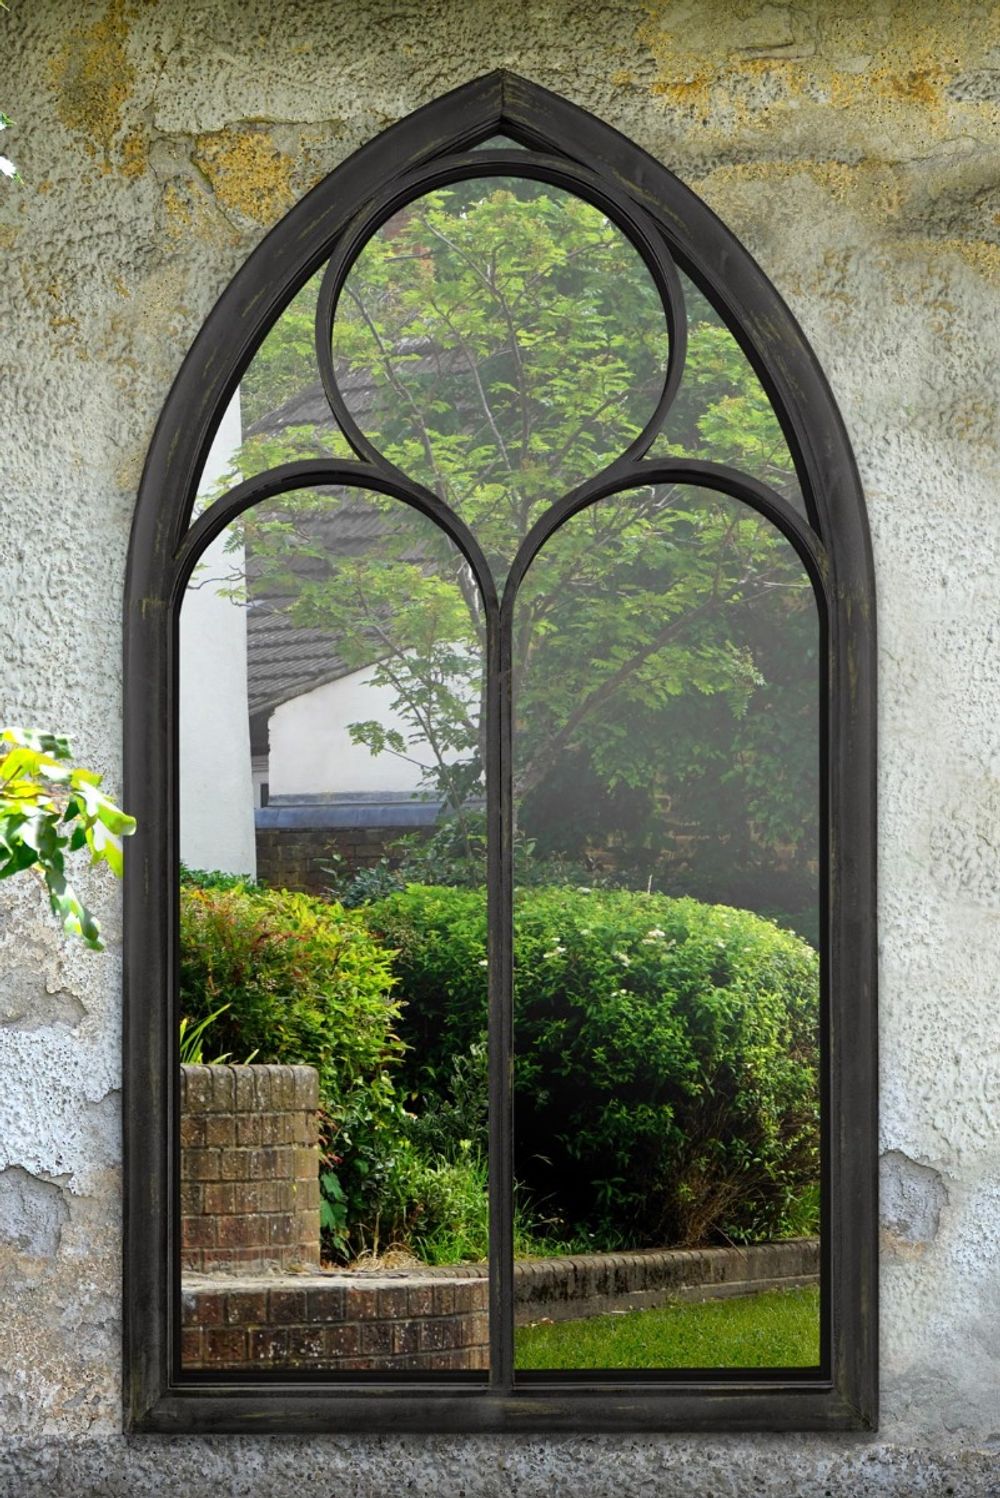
pixel 249 1168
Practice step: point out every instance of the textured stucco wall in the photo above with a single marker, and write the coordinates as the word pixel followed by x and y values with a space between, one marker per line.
pixel 854 149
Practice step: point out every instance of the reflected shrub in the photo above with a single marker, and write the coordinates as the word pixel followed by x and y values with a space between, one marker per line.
pixel 299 981
pixel 666 1074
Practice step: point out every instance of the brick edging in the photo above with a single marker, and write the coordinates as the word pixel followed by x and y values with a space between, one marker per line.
pixel 558 1289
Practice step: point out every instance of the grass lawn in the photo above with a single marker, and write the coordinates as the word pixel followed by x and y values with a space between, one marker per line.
pixel 777 1329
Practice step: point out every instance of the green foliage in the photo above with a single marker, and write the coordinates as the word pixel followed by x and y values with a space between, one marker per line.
pixel 216 879
pixel 451 1110
pixel 295 980
pixel 49 809
pixel 666 1069
pixel 353 887
pixel 506 343
pixel 191 1041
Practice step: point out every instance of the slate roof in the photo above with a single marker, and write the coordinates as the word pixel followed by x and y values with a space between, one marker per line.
pixel 285 659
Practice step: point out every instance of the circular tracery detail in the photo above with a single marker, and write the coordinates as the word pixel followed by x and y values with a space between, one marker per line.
pixel 502 328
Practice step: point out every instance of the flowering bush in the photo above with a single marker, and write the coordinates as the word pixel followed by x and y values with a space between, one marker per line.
pixel 666 1054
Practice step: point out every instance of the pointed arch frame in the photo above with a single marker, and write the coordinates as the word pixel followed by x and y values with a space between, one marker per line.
pixel 835 549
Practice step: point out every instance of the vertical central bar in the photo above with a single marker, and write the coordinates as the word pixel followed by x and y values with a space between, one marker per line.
pixel 499 904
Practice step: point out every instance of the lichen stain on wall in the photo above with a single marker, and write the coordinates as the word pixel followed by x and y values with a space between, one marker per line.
pixel 247 172
pixel 93 79
pixel 866 68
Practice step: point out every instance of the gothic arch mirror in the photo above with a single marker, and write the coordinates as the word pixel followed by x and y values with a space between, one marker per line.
pixel 500 926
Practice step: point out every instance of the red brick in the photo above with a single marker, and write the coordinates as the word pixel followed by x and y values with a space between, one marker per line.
pixel 248 1199
pixel 376 1337
pixel 220 1129
pixel 245 1090
pixel 223 1089
pixel 406 1336
pixel 392 1303
pixel 362 1302
pixel 192 1131
pixel 286 1307
pixel 240 1232
pixel 233 1165
pixel 343 1341
pixel 246 1307
pixel 191 1348
pixel 196 1088
pixel 446 1360
pixel 225 1344
pixel 444 1300
pixel 269 1344
pixel 306 1163
pixel 200 1165
pixel 420 1301
pixel 192 1308
pixel 219 1198
pixel 192 1197
pixel 248 1130
pixel 439 1334
pixel 325 1305
pixel 473 1330
pixel 198 1232
pixel 281 1229
pixel 306 1344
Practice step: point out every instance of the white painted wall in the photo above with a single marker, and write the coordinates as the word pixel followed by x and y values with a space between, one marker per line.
pixel 312 752
pixel 216 789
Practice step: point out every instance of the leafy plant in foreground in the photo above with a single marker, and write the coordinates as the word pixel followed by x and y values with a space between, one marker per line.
pixel 49 808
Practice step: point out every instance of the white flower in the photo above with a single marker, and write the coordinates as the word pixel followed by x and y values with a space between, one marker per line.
pixel 7 167
pixel 654 932
pixel 483 962
pixel 583 889
pixel 623 958
pixel 556 951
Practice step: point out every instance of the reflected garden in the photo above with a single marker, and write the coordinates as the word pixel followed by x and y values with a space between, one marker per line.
pixel 500 341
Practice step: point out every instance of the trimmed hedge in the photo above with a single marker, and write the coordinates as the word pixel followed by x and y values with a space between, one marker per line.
pixel 666 1054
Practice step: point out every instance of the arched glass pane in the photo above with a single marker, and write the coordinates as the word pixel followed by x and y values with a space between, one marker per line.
pixel 721 412
pixel 333 1139
pixel 500 340
pixel 666 974
pixel 279 413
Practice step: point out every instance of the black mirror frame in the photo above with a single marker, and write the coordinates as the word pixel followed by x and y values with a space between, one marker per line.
pixel 162 551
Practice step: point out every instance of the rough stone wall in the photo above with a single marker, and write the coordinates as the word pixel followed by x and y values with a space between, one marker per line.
pixel 853 148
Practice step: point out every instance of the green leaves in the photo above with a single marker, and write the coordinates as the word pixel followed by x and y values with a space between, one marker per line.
pixel 666 1052
pixel 49 808
pixel 499 340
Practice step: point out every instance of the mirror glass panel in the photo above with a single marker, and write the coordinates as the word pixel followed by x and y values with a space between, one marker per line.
pixel 667 973
pixel 334 1192
pixel 500 340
